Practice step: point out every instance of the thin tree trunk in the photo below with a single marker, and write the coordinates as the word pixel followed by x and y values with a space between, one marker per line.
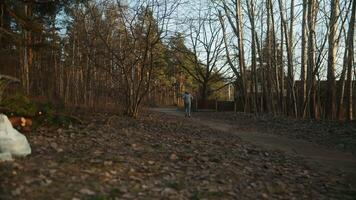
pixel 268 74
pixel 341 89
pixel 304 59
pixel 282 101
pixel 28 54
pixel 251 14
pixel 274 66
pixel 349 62
pixel 241 55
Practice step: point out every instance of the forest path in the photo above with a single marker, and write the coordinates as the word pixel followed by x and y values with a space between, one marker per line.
pixel 313 154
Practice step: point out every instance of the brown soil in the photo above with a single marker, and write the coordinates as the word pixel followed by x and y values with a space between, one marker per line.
pixel 162 156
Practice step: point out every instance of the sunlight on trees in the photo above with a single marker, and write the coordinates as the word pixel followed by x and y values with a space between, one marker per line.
pixel 285 57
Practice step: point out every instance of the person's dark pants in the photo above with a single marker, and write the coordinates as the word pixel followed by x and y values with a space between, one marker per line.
pixel 187 107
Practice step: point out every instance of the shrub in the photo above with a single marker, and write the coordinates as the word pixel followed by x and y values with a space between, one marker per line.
pixel 20 104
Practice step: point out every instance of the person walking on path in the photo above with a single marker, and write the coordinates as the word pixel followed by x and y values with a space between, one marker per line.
pixel 187 98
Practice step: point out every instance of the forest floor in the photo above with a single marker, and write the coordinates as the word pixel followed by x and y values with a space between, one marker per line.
pixel 331 144
pixel 163 155
pixel 333 135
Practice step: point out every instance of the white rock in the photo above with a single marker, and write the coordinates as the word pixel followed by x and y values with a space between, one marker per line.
pixel 11 141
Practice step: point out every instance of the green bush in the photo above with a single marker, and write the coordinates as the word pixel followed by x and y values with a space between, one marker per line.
pixel 20 104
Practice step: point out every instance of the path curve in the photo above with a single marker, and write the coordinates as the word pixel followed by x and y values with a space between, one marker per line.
pixel 312 153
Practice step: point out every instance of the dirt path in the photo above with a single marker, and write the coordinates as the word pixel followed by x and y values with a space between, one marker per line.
pixel 314 154
pixel 162 155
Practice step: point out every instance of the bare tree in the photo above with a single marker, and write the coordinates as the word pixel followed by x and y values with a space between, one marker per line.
pixel 233 12
pixel 207 53
pixel 144 28
pixel 291 97
pixel 254 45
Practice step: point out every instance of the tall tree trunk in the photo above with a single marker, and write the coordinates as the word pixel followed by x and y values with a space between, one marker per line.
pixel 304 61
pixel 311 82
pixel 241 55
pixel 291 97
pixel 282 99
pixel 341 88
pixel 290 54
pixel 27 54
pixel 237 29
pixel 251 14
pixel 331 91
pixel 238 82
pixel 274 66
pixel 270 95
pixel 349 62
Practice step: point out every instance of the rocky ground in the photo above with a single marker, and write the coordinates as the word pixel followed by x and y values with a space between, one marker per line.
pixel 159 157
pixel 331 134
